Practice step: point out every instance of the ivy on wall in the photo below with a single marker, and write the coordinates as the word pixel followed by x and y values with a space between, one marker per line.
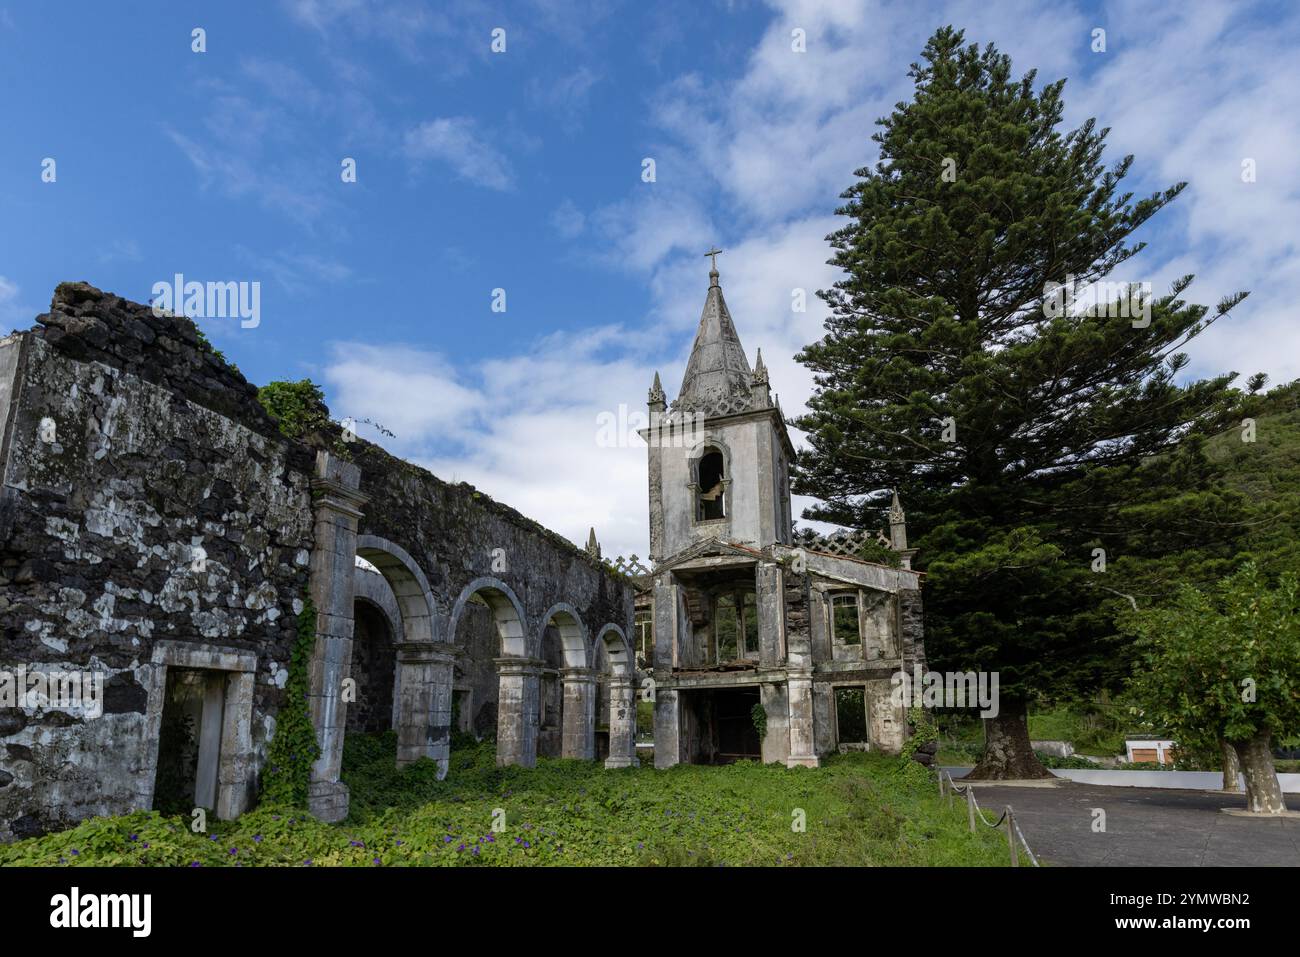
pixel 294 747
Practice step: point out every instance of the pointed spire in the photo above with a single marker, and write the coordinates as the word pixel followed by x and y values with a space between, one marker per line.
pixel 593 546
pixel 656 396
pixel 759 391
pixel 717 369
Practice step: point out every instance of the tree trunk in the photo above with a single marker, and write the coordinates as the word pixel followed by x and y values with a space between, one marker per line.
pixel 1008 755
pixel 1231 766
pixel 1263 790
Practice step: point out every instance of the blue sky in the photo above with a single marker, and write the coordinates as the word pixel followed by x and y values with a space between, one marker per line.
pixel 522 171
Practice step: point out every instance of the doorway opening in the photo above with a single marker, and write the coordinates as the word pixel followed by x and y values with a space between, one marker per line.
pixel 718 725
pixel 189 740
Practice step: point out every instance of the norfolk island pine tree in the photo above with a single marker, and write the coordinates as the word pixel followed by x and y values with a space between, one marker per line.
pixel 1014 426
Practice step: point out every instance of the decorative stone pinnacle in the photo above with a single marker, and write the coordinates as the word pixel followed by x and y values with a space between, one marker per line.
pixel 897 525
pixel 760 370
pixel 657 396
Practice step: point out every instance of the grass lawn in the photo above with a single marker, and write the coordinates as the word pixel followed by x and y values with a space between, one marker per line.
pixel 859 810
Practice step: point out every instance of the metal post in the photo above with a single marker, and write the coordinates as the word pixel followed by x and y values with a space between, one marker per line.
pixel 1011 837
pixel 970 806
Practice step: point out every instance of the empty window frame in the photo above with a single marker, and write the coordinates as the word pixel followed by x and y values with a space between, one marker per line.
pixel 735 626
pixel 846 626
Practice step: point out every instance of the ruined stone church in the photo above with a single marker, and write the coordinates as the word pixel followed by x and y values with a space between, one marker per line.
pixel 163 540
pixel 764 645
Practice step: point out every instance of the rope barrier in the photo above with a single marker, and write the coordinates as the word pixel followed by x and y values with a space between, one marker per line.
pixel 948 787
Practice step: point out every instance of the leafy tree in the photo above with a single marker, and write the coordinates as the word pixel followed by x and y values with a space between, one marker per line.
pixel 1224 665
pixel 1022 431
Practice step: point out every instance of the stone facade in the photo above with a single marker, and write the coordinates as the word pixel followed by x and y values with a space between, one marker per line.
pixel 155 523
pixel 747 620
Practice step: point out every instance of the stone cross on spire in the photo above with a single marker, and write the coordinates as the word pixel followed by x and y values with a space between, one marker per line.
pixel 713 273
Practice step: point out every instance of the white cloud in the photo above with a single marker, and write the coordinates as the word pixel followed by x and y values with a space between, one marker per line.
pixel 756 164
pixel 13 315
pixel 121 250
pixel 567 95
pixel 413 393
pixel 297 273
pixel 568 220
pixel 456 142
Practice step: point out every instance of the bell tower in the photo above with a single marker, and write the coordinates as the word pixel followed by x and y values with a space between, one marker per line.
pixel 720 455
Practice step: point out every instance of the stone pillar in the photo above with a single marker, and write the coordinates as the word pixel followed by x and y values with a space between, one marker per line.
pixel 803 747
pixel 667 623
pixel 668 728
pixel 770 599
pixel 236 772
pixel 517 704
pixel 796 601
pixel 333 563
pixel 424 702
pixel 622 723
pixel 776 704
pixel 823 718
pixel 578 736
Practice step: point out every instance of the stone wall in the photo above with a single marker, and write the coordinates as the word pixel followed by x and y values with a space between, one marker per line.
pixel 133 513
pixel 153 516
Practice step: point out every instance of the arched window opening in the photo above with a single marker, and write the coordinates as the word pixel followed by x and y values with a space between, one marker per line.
pixel 711 486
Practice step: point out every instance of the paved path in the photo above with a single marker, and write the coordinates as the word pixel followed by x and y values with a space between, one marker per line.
pixel 1144 826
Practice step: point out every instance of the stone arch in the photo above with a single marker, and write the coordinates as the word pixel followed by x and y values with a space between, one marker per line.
pixel 622 697
pixel 375 589
pixel 422 682
pixel 374 668
pixel 573 634
pixel 577 682
pixel 621 662
pixel 507 610
pixel 409 585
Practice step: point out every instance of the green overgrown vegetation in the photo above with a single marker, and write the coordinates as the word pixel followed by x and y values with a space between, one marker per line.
pixel 293 748
pixel 858 810
pixel 299 407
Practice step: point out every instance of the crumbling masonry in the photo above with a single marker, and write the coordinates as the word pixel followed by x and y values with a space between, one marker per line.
pixel 763 645
pixel 157 530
